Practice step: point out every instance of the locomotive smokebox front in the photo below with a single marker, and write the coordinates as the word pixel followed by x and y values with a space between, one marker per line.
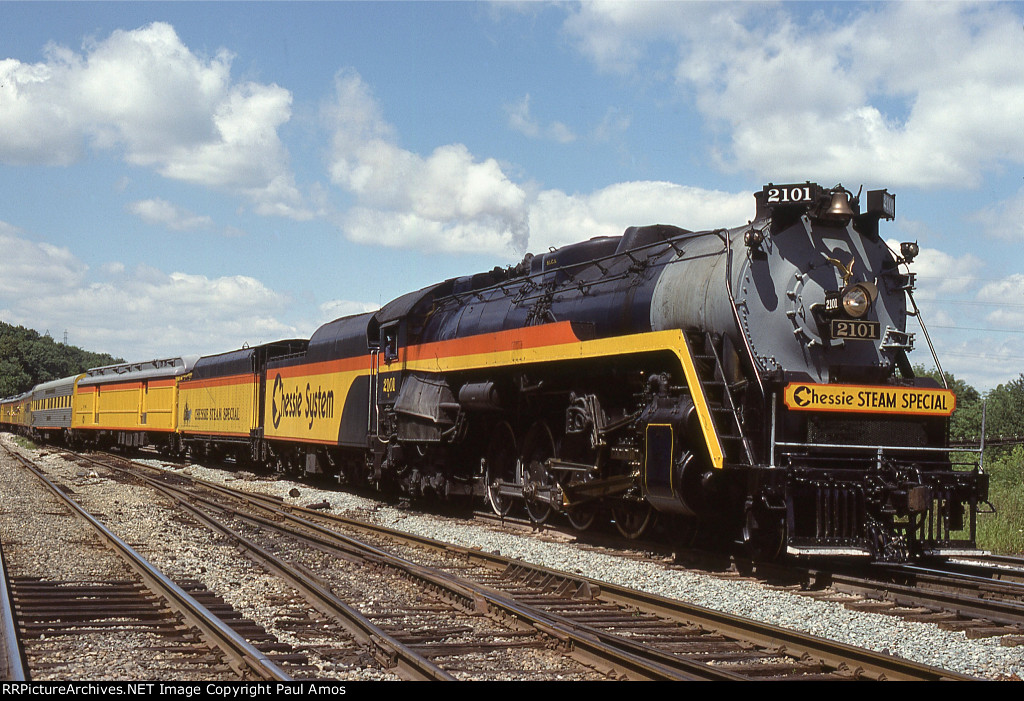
pixel 813 294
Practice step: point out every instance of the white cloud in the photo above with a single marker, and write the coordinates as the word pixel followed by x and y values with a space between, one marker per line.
pixel 36 123
pixel 520 120
pixel 337 308
pixel 159 211
pixel 613 123
pixel 1005 219
pixel 557 218
pixel 35 269
pixel 615 34
pixel 448 200
pixel 138 313
pixel 145 93
pixel 901 93
pixel 1006 294
pixel 939 273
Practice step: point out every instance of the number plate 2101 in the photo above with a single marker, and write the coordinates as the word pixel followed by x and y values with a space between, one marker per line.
pixel 866 330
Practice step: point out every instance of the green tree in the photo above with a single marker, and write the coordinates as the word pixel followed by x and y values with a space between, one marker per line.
pixel 965 423
pixel 27 359
pixel 1004 414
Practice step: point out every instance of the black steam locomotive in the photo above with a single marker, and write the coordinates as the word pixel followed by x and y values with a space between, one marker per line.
pixel 752 382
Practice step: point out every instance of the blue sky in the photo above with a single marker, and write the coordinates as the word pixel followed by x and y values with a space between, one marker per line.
pixel 189 177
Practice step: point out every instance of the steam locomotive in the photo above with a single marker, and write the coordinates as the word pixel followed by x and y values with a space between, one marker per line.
pixel 751 382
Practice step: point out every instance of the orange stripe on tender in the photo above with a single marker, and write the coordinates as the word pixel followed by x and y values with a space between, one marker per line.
pixel 356 364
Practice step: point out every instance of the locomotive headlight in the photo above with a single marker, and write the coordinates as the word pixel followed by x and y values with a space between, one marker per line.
pixel 857 299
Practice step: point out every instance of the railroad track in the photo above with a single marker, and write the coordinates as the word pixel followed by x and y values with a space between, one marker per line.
pixel 429 625
pixel 638 635
pixel 982 598
pixel 143 609
pixel 394 633
pixel 976 602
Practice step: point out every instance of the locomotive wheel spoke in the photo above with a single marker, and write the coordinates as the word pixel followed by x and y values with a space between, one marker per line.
pixel 632 519
pixel 685 530
pixel 582 517
pixel 574 449
pixel 538 447
pixel 501 466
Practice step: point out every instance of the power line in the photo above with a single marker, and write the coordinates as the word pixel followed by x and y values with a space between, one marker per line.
pixel 974 328
pixel 936 300
pixel 984 357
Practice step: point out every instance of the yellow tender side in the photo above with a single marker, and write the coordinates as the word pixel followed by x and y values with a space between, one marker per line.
pixel 304 402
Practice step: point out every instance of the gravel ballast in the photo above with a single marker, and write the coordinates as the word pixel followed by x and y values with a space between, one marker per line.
pixel 925 643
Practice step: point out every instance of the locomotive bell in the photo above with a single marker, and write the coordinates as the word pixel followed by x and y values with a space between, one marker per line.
pixel 839 208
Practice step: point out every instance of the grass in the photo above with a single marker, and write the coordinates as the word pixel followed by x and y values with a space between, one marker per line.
pixel 23 442
pixel 1003 532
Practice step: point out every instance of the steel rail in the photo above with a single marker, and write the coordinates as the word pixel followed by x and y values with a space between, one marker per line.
pixel 1003 606
pixel 871 664
pixel 388 650
pixel 838 655
pixel 645 662
pixel 244 655
pixel 642 662
pixel 15 668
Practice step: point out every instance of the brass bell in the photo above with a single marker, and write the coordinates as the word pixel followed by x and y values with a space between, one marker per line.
pixel 839 209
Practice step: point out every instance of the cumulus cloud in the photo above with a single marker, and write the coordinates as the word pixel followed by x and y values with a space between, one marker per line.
pixel 520 120
pixel 159 211
pixel 1005 219
pixel 1007 295
pixel 448 200
pixel 902 93
pixel 939 273
pixel 136 313
pixel 614 123
pixel 451 201
pixel 144 93
pixel 49 268
pixel 337 308
pixel 557 218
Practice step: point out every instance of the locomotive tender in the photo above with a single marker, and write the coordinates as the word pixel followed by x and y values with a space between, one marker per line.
pixel 752 382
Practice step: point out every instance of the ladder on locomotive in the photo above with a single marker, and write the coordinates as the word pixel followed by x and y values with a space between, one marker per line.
pixel 721 398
